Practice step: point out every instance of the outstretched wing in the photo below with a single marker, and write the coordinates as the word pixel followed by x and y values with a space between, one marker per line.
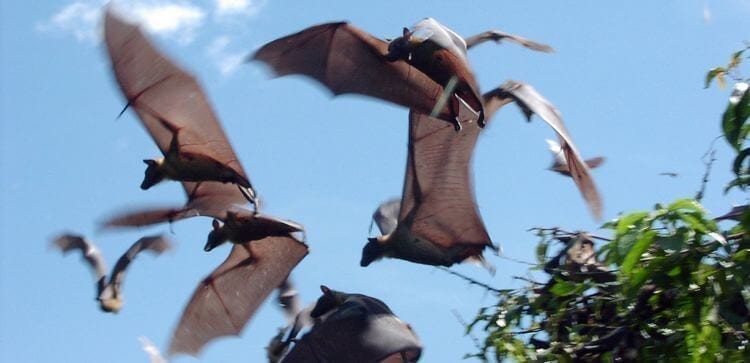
pixel 225 300
pixel 89 252
pixel 438 203
pixel 346 59
pixel 210 199
pixel 498 36
pixel 531 102
pixel 165 96
pixel 155 244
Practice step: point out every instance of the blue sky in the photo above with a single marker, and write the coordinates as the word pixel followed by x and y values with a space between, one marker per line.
pixel 628 79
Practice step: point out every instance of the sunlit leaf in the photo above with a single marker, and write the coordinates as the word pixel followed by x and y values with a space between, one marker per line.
pixel 713 73
pixel 638 249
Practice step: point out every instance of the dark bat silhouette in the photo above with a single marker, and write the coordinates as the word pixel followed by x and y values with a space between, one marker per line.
pixel 346 59
pixel 355 328
pixel 109 293
pixel 240 227
pixel 226 300
pixel 174 110
pixel 560 164
pixel 438 221
pixel 531 102
pixel 498 36
pixel 735 214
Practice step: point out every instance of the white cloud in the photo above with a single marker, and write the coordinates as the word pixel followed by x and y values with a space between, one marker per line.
pixel 226 61
pixel 78 18
pixel 238 7
pixel 175 19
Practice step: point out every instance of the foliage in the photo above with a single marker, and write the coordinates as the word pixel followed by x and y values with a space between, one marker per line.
pixel 669 285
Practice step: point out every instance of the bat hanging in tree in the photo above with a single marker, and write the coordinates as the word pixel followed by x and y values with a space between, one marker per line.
pixel 109 293
pixel 225 300
pixel 355 328
pixel 174 110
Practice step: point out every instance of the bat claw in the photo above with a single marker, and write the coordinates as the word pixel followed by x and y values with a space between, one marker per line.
pixel 457 125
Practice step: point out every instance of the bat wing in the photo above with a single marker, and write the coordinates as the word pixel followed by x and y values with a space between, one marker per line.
pixel 531 102
pixel 438 201
pixel 155 244
pixel 498 36
pixel 225 300
pixel 89 252
pixel 595 162
pixel 362 329
pixel 210 199
pixel 165 96
pixel 346 59
pixel 386 216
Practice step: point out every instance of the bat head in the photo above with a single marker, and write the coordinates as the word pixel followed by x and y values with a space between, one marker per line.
pixel 372 251
pixel 399 48
pixel 154 173
pixel 110 305
pixel 216 237
pixel 330 300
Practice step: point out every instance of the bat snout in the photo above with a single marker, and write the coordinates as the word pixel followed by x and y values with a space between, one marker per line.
pixel 371 252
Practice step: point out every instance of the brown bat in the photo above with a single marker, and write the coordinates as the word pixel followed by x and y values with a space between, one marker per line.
pixel 346 59
pixel 355 328
pixel 560 164
pixel 226 300
pixel 174 110
pixel 498 36
pixel 438 221
pixel 109 294
pixel 240 227
pixel 531 102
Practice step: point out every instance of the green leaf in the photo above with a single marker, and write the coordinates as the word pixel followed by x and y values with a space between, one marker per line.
pixel 713 73
pixel 564 288
pixel 686 205
pixel 631 220
pixel 638 249
pixel 733 121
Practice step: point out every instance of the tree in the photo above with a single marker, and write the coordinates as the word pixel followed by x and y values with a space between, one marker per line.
pixel 669 284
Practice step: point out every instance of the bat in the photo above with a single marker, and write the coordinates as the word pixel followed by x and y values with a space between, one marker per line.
pixel 438 221
pixel 440 53
pixel 735 214
pixel 532 102
pixel 109 293
pixel 386 216
pixel 355 328
pixel 174 110
pixel 346 59
pixel 225 300
pixel 240 227
pixel 560 164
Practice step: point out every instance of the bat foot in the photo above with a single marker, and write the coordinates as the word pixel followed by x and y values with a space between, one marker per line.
pixel 457 125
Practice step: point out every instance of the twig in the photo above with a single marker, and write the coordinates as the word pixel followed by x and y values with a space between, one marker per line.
pixel 461 321
pixel 712 153
pixel 472 281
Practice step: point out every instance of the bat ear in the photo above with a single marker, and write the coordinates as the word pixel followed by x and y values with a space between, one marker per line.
pixel 406 32
pixel 215 224
pixel 325 289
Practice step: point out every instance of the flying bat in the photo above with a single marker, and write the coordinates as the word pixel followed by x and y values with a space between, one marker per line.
pixel 346 59
pixel 438 221
pixel 532 102
pixel 560 164
pixel 225 301
pixel 240 227
pixel 355 328
pixel 109 293
pixel 174 110
pixel 498 36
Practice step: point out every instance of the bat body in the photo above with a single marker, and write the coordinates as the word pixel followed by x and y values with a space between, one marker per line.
pixel 346 59
pixel 560 164
pixel 355 328
pixel 440 53
pixel 225 300
pixel 438 222
pixel 532 102
pixel 109 293
pixel 242 227
pixel 174 110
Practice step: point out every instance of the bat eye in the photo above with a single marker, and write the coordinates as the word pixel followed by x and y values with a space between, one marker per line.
pixel 215 224
pixel 325 289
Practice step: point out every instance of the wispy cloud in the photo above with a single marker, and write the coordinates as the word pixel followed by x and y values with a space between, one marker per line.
pixel 78 18
pixel 238 7
pixel 226 61
pixel 178 20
